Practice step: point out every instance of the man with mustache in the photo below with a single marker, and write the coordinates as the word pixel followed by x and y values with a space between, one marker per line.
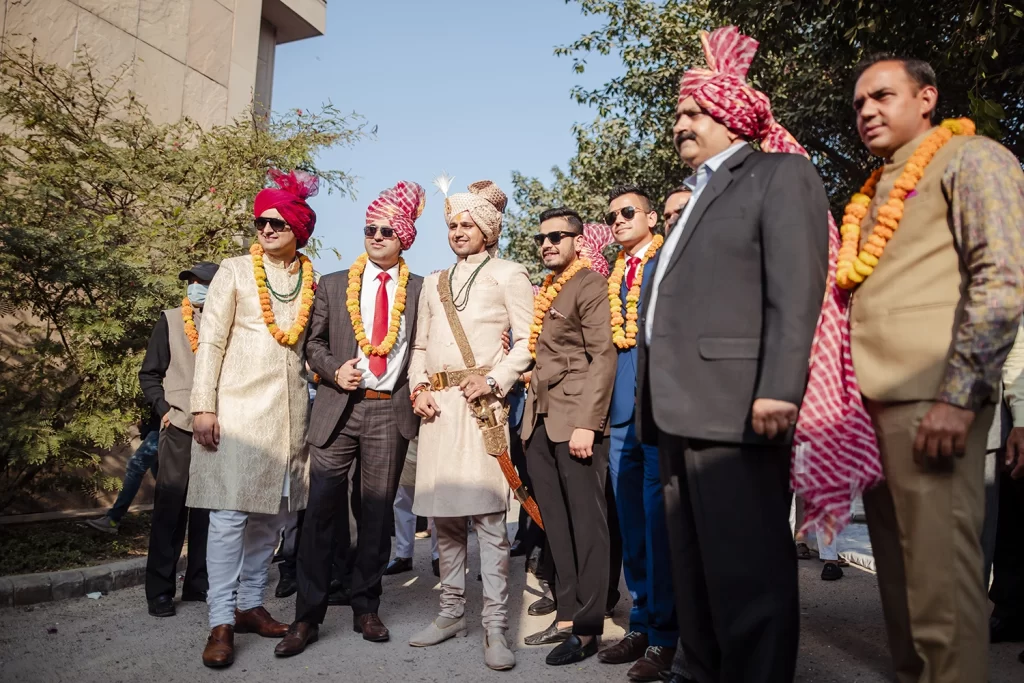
pixel 933 252
pixel 457 360
pixel 726 336
pixel 650 641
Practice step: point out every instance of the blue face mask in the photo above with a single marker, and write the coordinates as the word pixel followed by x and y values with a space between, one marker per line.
pixel 197 293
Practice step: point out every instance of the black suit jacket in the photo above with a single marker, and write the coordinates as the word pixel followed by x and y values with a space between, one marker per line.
pixel 331 342
pixel 739 303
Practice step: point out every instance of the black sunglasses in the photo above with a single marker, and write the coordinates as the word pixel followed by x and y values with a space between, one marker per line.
pixel 386 233
pixel 627 212
pixel 276 224
pixel 554 237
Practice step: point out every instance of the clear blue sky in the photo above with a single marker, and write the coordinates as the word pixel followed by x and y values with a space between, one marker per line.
pixel 467 86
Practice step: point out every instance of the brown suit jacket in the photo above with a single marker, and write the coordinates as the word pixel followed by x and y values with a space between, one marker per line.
pixel 575 368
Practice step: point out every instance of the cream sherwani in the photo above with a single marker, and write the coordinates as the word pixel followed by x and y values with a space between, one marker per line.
pixel 257 387
pixel 259 474
pixel 455 477
pixel 454 474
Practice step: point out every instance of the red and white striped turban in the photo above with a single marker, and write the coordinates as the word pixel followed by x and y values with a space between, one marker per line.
pixel 400 206
pixel 835 454
pixel 596 237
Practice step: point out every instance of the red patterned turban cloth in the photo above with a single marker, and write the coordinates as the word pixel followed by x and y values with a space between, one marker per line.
pixel 835 454
pixel 595 238
pixel 400 206
pixel 289 198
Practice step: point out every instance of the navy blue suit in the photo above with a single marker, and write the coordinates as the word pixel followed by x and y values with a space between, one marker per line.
pixel 639 498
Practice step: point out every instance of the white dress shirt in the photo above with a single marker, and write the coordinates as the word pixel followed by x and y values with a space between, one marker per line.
pixel 367 307
pixel 696 182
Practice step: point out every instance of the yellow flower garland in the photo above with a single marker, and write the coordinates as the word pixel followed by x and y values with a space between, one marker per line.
pixel 289 337
pixel 546 296
pixel 625 339
pixel 853 267
pixel 352 303
pixel 190 325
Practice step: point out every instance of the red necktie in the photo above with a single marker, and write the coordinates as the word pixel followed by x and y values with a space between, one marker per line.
pixel 631 271
pixel 381 322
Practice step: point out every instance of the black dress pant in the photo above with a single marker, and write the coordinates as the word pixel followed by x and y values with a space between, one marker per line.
pixel 367 434
pixel 739 618
pixel 344 552
pixel 571 497
pixel 1007 592
pixel 171 518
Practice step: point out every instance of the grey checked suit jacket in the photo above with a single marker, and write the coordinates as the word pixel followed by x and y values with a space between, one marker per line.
pixel 331 342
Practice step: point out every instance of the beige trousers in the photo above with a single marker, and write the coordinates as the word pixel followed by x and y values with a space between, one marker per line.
pixel 925 523
pixel 492 537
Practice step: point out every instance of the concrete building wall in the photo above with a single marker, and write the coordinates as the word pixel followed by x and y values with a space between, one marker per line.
pixel 198 58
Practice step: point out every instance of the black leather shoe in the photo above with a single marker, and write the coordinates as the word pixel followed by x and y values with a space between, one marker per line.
pixel 831 572
pixel 286 586
pixel 517 549
pixel 340 597
pixel 398 565
pixel 161 606
pixel 552 634
pixel 542 607
pixel 435 564
pixel 193 596
pixel 572 651
pixel 1003 630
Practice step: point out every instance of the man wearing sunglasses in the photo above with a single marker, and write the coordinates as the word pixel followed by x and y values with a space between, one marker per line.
pixel 651 639
pixel 359 344
pixel 458 367
pixel 250 403
pixel 565 427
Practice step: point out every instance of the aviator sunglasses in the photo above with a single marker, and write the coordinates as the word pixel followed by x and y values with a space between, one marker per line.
pixel 627 212
pixel 385 232
pixel 276 224
pixel 554 237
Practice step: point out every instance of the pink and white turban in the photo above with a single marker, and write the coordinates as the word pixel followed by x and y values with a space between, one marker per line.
pixel 400 206
pixel 835 454
pixel 289 198
pixel 596 237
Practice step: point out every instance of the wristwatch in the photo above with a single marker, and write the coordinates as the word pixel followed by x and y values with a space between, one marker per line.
pixel 492 384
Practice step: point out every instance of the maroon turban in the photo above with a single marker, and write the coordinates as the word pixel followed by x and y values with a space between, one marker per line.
pixel 289 198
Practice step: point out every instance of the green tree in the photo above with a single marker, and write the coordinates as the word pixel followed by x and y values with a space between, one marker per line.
pixel 101 209
pixel 805 63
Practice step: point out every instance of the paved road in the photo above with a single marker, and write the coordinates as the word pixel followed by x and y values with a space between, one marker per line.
pixel 113 640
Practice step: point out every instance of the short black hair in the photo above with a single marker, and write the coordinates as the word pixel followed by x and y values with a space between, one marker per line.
pixel 620 190
pixel 677 190
pixel 919 71
pixel 573 218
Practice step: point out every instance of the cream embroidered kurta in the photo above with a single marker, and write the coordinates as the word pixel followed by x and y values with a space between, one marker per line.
pixel 257 387
pixel 455 476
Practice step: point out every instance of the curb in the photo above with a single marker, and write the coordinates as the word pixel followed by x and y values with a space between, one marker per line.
pixel 32 589
pixel 860 559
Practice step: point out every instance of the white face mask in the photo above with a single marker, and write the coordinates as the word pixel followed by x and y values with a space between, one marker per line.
pixel 197 293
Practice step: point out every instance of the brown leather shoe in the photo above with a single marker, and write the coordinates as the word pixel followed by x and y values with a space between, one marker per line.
pixel 631 648
pixel 372 628
pixel 650 666
pixel 258 620
pixel 220 647
pixel 300 634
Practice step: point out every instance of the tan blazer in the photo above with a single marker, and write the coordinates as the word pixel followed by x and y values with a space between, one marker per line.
pixel 575 367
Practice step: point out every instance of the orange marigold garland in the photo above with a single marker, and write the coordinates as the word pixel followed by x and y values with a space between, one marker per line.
pixel 546 296
pixel 352 303
pixel 190 325
pixel 626 338
pixel 284 337
pixel 856 262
